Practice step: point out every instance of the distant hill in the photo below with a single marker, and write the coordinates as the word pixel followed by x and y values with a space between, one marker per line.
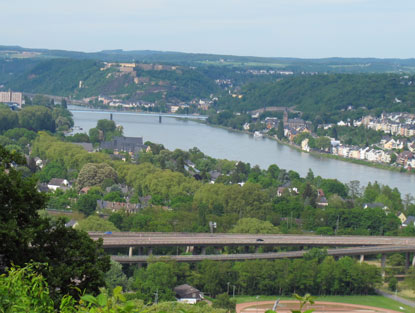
pixel 329 97
pixel 330 65
pixel 81 78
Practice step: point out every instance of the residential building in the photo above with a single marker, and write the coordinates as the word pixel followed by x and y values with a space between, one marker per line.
pixel 58 183
pixel 188 294
pixel 112 206
pixel 410 221
pixel 132 145
pixel 11 97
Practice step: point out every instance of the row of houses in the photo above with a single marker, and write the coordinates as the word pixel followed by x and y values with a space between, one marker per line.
pixel 357 153
pixel 406 158
pixel 397 124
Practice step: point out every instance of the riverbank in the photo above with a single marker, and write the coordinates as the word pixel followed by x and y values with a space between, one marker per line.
pixel 318 154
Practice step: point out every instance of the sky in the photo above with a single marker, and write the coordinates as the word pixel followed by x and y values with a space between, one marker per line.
pixel 273 28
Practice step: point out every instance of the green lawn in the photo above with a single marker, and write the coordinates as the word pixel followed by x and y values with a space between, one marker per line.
pixel 376 301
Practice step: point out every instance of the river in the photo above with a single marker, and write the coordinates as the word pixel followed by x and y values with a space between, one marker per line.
pixel 224 144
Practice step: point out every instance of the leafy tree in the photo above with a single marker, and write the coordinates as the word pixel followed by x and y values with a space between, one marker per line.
pixel 115 277
pixel 223 301
pixel 87 203
pixel 8 119
pixel 280 130
pixel 157 277
pixel 94 135
pixel 95 223
pixel 52 170
pixel 24 290
pixel 254 226
pixel 74 260
pixel 115 196
pixel 93 174
pixel 37 118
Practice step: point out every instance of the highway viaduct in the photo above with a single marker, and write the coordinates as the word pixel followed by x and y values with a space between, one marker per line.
pixel 357 251
pixel 129 239
pixel 350 245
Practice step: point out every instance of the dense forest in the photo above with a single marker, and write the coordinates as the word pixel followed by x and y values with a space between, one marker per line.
pixel 84 78
pixel 328 98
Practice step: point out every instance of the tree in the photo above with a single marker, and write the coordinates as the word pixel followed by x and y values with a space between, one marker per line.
pixel 24 290
pixel 223 301
pixel 157 277
pixel 94 135
pixel 355 191
pixel 115 277
pixel 64 103
pixel 95 223
pixel 106 125
pixel 280 130
pixel 93 174
pixel 254 226
pixel 8 119
pixel 37 118
pixel 73 258
pixel 87 203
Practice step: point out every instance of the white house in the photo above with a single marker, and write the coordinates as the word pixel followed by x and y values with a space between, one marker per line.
pixel 58 183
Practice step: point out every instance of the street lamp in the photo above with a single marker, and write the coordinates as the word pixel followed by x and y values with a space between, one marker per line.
pixel 257 297
pixel 212 225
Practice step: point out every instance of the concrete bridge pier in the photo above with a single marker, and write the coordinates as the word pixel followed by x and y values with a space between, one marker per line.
pixel 150 250
pixel 407 259
pixel 130 252
pixel 383 264
pixel 203 250
pixel 362 258
pixel 190 249
pixel 413 260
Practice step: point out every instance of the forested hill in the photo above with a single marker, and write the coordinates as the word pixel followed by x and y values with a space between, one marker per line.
pixel 329 95
pixel 324 65
pixel 86 78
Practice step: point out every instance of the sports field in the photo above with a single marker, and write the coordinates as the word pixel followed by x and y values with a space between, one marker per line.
pixel 373 301
pixel 286 306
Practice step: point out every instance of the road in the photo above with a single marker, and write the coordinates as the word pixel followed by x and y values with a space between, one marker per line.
pixel 129 239
pixel 267 256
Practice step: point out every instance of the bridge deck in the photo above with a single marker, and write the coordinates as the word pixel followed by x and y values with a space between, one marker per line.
pixel 128 239
pixel 267 256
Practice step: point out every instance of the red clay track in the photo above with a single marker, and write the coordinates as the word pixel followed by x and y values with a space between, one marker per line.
pixel 319 307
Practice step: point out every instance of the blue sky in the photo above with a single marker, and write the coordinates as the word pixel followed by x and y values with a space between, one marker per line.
pixel 278 28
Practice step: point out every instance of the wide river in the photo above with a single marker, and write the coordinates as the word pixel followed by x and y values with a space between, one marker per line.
pixel 223 144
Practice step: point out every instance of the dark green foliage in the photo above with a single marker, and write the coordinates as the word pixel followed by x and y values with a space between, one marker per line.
pixel 52 170
pixel 327 95
pixel 317 275
pixel 114 196
pixel 8 119
pixel 157 277
pixel 37 118
pixel 56 77
pixel 87 203
pixel 358 136
pixel 73 258
pixel 223 301
pixel 78 138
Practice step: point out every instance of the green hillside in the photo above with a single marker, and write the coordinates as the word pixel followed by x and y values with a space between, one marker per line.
pixel 63 76
pixel 329 95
